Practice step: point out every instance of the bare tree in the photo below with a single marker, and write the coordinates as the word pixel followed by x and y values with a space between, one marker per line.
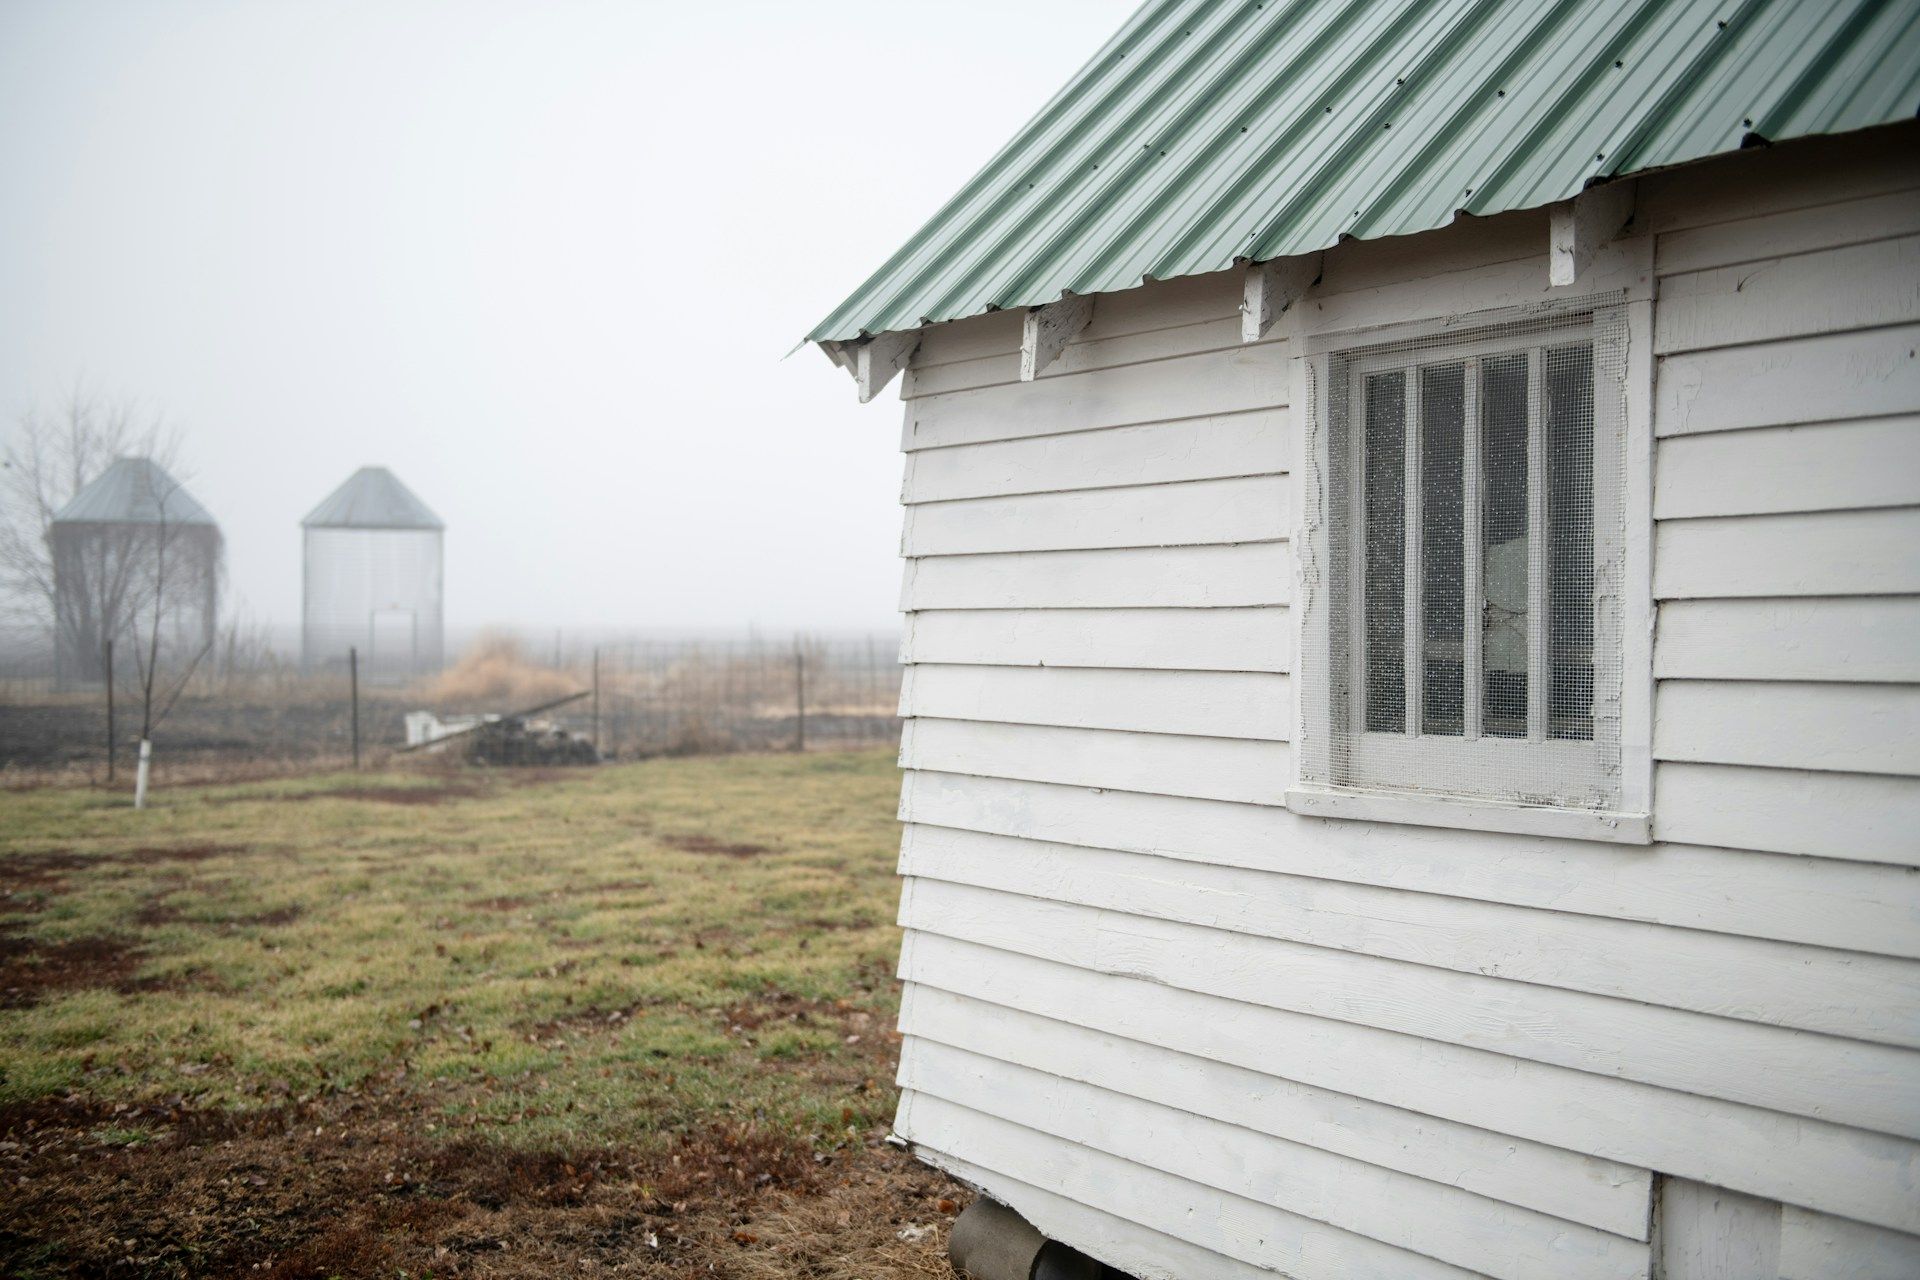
pixel 175 582
pixel 48 459
pixel 140 574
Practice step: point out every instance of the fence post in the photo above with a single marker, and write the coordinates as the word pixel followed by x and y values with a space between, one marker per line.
pixel 109 712
pixel 596 700
pixel 353 694
pixel 799 697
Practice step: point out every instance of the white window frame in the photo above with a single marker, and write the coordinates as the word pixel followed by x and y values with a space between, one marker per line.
pixel 1629 819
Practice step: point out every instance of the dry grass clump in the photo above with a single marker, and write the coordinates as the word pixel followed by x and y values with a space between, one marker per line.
pixel 495 674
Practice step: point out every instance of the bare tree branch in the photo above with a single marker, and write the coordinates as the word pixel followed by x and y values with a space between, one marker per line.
pixel 47 459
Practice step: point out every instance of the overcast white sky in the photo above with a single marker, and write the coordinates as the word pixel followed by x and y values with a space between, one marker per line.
pixel 542 258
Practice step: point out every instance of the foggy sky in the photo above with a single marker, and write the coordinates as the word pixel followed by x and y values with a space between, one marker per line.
pixel 543 259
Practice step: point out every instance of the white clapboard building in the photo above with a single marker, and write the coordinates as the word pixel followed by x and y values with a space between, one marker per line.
pixel 1413 633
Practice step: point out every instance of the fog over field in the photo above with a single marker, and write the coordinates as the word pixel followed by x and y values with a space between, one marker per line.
pixel 541 259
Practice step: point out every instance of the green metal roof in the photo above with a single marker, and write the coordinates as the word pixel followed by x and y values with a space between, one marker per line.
pixel 1210 131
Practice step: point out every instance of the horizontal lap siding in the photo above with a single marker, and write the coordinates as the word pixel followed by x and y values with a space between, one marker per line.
pixel 1135 980
pixel 1259 442
pixel 1816 1246
pixel 1845 728
pixel 1563 1184
pixel 1245 1232
pixel 1220 704
pixel 1184 514
pixel 1787 555
pixel 1823 290
pixel 1837 466
pixel 1789 382
pixel 1822 553
pixel 1822 813
pixel 1868 639
pixel 1848 905
pixel 1186 387
pixel 1841 992
pixel 1418 1215
pixel 1164 764
pixel 1243 639
pixel 1766 1067
pixel 1787 507
pixel 1132 578
pixel 1096 1214
pixel 1876 1177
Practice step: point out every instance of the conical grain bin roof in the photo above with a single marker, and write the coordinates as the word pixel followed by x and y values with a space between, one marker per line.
pixel 134 491
pixel 372 498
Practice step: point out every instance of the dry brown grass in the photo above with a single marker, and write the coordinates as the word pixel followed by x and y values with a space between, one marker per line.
pixel 495 674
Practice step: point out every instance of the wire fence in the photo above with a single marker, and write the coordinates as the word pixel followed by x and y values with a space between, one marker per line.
pixel 675 698
pixel 252 707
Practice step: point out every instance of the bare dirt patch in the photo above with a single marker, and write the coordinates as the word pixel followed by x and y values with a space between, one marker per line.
pixel 784 1007
pixel 25 877
pixel 51 867
pixel 707 844
pixel 503 903
pixel 156 910
pixel 31 969
pixel 351 1187
pixel 157 854
pixel 437 794
pixel 159 911
pixel 521 902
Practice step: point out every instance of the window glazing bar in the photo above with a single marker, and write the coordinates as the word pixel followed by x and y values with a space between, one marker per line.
pixel 1414 661
pixel 1357 692
pixel 1473 604
pixel 1536 547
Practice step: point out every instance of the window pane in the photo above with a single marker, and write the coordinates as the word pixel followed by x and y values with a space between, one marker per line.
pixel 1386 484
pixel 1569 378
pixel 1503 554
pixel 1443 407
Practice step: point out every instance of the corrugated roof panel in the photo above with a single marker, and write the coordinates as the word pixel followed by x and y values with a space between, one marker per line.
pixel 372 498
pixel 1209 131
pixel 133 491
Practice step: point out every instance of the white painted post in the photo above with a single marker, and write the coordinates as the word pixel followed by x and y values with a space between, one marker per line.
pixel 140 775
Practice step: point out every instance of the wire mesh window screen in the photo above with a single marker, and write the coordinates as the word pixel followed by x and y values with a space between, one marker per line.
pixel 1466 535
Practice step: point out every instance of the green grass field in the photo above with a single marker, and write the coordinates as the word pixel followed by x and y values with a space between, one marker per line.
pixel 633 1020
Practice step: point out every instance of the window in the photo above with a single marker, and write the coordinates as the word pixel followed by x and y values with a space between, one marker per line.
pixel 1464 634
